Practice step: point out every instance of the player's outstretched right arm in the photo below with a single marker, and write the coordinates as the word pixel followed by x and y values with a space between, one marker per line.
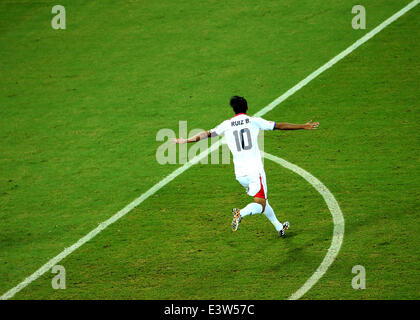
pixel 200 136
pixel 290 126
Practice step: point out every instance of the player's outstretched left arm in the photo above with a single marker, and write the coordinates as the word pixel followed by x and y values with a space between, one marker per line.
pixel 290 126
pixel 200 136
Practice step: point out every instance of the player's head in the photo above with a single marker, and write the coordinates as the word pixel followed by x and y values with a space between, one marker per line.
pixel 238 104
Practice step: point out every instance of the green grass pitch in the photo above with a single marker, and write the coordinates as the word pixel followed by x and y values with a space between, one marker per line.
pixel 80 109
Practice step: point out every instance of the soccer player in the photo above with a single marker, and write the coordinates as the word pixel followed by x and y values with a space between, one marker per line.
pixel 241 133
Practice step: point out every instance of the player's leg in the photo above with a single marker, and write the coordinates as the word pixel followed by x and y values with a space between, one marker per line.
pixel 254 207
pixel 244 181
pixel 269 212
pixel 254 188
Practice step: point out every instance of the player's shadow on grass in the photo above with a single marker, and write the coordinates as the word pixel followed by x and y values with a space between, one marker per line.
pixel 271 236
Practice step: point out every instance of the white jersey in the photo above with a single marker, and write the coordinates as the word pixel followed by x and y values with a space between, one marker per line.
pixel 241 134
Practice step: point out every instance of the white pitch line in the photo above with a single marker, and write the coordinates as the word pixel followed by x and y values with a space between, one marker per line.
pixel 338 220
pixel 337 58
pixel 9 294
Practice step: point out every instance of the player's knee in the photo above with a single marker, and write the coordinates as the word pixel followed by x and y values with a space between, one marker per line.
pixel 261 201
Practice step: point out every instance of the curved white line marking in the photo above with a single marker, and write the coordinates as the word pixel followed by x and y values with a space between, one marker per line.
pixel 9 294
pixel 338 220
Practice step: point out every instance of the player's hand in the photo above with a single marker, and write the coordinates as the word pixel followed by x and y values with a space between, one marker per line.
pixel 311 125
pixel 179 140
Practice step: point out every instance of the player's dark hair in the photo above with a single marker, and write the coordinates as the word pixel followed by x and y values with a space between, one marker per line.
pixel 239 104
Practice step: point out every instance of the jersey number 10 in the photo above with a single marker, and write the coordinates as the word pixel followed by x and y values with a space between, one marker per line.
pixel 240 142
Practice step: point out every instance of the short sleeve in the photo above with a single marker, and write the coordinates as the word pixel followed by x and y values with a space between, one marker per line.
pixel 264 124
pixel 220 129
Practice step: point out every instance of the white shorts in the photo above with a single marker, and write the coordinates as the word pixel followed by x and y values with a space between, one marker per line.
pixel 255 185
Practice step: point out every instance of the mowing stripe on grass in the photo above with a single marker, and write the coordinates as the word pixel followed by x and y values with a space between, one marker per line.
pixel 338 220
pixel 9 294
